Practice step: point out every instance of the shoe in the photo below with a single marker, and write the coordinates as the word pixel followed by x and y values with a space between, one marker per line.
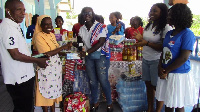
pixel 109 108
pixel 93 109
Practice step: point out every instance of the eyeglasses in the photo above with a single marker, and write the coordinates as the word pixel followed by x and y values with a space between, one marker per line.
pixel 87 13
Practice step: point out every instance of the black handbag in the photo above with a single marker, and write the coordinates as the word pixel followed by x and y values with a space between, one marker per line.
pixel 196 107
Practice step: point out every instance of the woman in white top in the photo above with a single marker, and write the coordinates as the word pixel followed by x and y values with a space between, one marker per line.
pixel 151 41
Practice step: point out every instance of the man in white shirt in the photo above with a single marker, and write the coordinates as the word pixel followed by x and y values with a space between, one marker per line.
pixel 17 65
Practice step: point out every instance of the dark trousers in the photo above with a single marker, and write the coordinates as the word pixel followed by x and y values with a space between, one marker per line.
pixel 22 95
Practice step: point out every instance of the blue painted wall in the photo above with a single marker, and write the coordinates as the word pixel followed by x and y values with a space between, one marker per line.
pixel 29 9
pixel 1 13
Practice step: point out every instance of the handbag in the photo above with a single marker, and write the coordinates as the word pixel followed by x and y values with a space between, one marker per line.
pixel 95 55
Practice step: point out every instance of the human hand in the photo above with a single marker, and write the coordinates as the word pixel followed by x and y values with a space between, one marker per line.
pixel 137 35
pixel 82 54
pixel 163 74
pixel 68 46
pixel 118 27
pixel 75 44
pixel 41 62
pixel 141 43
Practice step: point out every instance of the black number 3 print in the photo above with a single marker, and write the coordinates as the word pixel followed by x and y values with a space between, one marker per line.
pixel 12 41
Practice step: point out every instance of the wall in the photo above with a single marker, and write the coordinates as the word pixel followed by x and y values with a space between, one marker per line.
pixel 1 13
pixel 29 9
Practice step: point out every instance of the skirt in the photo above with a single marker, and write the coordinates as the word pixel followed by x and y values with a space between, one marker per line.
pixel 177 91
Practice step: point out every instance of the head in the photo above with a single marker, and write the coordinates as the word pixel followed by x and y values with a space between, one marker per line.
pixel 46 25
pixel 15 10
pixel 113 18
pixel 136 22
pixel 59 21
pixel 158 13
pixel 87 15
pixel 119 15
pixel 99 18
pixel 34 19
pixel 180 16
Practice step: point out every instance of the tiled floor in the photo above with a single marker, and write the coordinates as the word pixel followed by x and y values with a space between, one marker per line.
pixel 6 104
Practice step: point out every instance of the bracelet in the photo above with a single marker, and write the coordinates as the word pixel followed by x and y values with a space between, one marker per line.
pixel 147 43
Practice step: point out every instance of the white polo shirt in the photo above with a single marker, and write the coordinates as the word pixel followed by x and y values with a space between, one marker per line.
pixel 10 38
pixel 148 35
pixel 86 35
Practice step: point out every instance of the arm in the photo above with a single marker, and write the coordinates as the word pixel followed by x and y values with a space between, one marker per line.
pixel 142 42
pixel 97 45
pixel 16 55
pixel 42 46
pixel 56 51
pixel 182 58
pixel 28 33
pixel 155 46
pixel 94 48
pixel 11 42
pixel 121 31
pixel 28 36
pixel 118 30
pixel 161 71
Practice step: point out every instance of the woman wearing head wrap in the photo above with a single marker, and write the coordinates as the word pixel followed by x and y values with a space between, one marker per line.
pixel 48 80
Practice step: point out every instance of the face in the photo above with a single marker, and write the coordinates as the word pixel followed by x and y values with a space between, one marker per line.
pixel 88 15
pixel 59 22
pixel 17 12
pixel 135 23
pixel 112 18
pixel 46 25
pixel 169 18
pixel 154 13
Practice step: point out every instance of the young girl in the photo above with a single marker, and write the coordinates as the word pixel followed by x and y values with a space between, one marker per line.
pixel 136 25
pixel 119 17
pixel 114 27
pixel 151 40
pixel 94 36
pixel 59 22
pixel 175 83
